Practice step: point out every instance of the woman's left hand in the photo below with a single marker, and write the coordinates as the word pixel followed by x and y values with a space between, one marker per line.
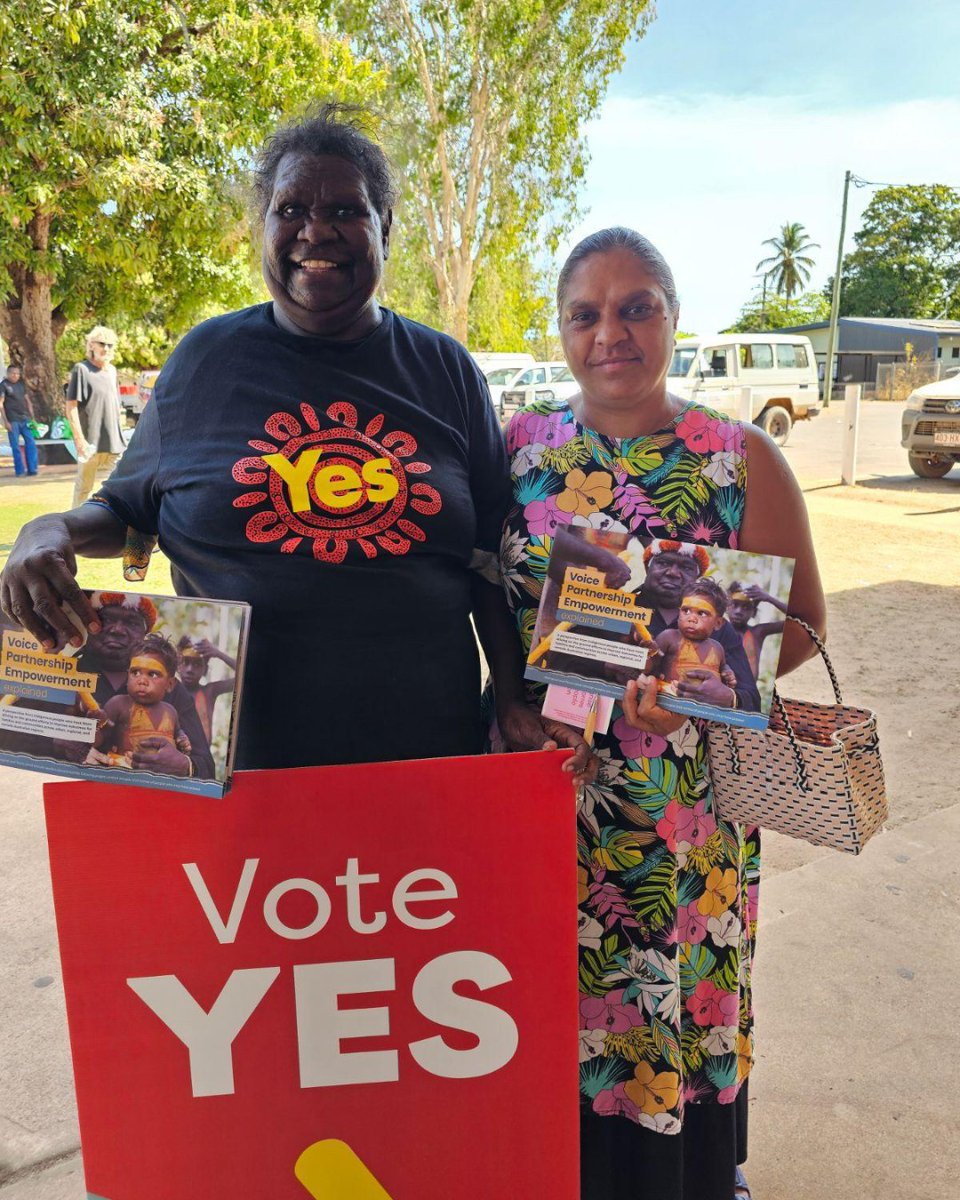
pixel 524 728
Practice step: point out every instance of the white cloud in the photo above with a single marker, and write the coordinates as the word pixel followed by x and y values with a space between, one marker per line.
pixel 708 177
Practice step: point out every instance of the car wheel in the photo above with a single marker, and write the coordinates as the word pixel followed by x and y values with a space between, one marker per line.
pixel 776 422
pixel 929 466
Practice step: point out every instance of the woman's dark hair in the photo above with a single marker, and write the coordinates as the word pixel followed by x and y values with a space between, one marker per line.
pixel 616 238
pixel 331 128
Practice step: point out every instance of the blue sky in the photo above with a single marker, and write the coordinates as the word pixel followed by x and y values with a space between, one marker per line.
pixel 733 117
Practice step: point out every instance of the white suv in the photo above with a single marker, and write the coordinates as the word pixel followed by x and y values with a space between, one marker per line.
pixel 542 381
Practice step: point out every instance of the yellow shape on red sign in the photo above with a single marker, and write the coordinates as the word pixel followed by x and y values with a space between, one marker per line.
pixel 330 1170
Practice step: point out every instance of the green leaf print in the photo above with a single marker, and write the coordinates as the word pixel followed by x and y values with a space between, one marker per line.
pixel 684 490
pixel 691 784
pixel 696 963
pixel 564 458
pixel 640 457
pixel 639 873
pixel 595 964
pixel 721 1070
pixel 666 1042
pixel 691 1041
pixel 652 784
pixel 656 898
pixel 601 1074
pixel 727 978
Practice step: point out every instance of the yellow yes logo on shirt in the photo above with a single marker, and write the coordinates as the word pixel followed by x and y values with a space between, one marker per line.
pixel 336 486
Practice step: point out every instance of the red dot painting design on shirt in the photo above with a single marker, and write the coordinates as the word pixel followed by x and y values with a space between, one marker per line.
pixel 367 503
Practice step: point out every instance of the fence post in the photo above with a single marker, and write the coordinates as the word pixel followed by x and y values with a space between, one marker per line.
pixel 746 405
pixel 851 433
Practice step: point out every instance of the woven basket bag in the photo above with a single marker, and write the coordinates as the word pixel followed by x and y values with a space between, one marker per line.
pixel 814 773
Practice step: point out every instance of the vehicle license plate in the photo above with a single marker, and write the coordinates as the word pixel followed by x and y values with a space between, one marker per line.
pixel 946 437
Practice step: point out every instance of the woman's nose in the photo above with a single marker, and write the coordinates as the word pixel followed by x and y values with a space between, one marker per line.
pixel 317 227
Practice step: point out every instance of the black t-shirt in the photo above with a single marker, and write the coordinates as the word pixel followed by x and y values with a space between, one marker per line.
pixel 97 395
pixel 14 399
pixel 341 489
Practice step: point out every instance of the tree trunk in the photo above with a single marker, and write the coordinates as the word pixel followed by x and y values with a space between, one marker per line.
pixel 29 325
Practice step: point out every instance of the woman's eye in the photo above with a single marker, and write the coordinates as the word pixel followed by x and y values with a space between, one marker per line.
pixel 288 210
pixel 640 310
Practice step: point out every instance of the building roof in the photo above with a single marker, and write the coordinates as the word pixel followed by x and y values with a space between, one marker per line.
pixel 930 325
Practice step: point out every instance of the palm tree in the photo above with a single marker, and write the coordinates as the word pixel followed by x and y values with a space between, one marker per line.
pixel 788 267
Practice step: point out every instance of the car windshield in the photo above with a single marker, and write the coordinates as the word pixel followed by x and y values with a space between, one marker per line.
pixel 501 375
pixel 683 356
pixel 563 376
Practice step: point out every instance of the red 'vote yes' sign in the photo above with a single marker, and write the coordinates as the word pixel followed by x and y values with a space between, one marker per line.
pixel 351 983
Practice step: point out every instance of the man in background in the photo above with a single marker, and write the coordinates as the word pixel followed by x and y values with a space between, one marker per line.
pixel 17 415
pixel 94 412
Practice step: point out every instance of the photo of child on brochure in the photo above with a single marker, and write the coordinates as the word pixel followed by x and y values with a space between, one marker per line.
pixel 706 622
pixel 140 696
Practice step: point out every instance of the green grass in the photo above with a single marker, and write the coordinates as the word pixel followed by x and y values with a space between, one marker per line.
pixel 52 492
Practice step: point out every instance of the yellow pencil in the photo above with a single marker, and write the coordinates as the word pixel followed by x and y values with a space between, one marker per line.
pixel 591 726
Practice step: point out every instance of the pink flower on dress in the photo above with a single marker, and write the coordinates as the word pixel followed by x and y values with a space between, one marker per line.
pixel 712 1006
pixel 607 1012
pixel 614 1102
pixel 637 744
pixel 691 924
pixel 682 824
pixel 543 517
pixel 706 435
pixel 727 1095
pixel 546 430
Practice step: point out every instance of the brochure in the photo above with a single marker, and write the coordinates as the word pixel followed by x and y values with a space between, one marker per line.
pixel 152 699
pixel 705 621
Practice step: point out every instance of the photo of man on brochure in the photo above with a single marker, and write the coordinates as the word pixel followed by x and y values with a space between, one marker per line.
pixel 614 608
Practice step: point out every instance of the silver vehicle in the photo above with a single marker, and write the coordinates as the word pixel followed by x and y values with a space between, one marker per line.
pixel 542 381
pixel 930 431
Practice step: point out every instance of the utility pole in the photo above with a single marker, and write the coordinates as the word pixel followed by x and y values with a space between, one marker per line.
pixel 835 303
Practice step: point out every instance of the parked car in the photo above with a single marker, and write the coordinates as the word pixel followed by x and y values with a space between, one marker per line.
pixel 779 368
pixel 542 381
pixel 930 429
pixel 500 369
pixel 134 403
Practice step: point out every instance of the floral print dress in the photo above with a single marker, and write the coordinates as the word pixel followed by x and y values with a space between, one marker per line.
pixel 666 891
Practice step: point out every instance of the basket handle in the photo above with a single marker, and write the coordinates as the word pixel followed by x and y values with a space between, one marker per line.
pixel 818 642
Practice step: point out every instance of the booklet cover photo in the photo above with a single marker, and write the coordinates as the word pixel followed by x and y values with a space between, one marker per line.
pixel 705 621
pixel 152 699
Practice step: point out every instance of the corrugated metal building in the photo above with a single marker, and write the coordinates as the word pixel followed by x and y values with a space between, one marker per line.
pixel 863 343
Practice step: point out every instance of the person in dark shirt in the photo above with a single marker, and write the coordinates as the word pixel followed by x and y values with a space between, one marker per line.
pixel 339 467
pixel 94 412
pixel 17 415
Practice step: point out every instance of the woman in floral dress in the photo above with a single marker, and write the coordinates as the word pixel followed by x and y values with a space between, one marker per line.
pixel 667 899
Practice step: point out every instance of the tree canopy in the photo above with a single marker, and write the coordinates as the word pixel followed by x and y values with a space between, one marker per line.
pixel 776 312
pixel 489 100
pixel 126 128
pixel 907 257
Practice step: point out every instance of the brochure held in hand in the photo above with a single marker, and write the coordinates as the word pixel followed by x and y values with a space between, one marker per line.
pixel 152 699
pixel 705 621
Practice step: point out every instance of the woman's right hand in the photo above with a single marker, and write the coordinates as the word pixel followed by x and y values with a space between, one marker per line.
pixel 642 711
pixel 39 578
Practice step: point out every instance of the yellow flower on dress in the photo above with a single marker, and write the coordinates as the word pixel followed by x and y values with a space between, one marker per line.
pixel 652 1093
pixel 744 1055
pixel 721 889
pixel 583 881
pixel 586 494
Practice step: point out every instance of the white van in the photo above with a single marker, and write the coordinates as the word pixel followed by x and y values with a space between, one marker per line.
pixel 779 367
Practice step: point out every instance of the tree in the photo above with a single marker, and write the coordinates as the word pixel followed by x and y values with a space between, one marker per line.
pixel 492 97
pixel 761 314
pixel 125 129
pixel 907 257
pixel 789 267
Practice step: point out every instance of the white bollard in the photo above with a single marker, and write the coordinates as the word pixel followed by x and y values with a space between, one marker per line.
pixel 745 412
pixel 851 432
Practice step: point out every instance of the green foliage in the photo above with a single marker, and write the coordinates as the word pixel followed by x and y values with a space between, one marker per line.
pixel 595 965
pixel 125 134
pixel 655 898
pixel 491 97
pixel 788 268
pixel 773 312
pixel 907 257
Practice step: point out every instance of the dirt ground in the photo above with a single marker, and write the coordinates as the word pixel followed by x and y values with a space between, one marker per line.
pixel 889 554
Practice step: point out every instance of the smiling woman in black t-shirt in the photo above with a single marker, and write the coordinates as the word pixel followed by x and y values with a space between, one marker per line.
pixel 336 465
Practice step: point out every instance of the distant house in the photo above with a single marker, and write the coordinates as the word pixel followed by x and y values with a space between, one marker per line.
pixel 863 343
